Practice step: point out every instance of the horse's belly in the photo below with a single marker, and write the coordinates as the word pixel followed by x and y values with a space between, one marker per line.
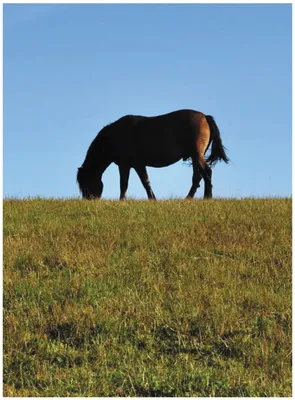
pixel 160 161
pixel 156 153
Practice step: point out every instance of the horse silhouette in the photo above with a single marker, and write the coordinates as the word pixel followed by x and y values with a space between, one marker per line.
pixel 137 142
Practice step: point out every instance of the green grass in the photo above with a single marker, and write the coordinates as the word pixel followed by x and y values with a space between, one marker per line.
pixel 137 298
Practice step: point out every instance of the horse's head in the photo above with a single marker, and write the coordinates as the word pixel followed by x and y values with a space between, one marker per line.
pixel 90 183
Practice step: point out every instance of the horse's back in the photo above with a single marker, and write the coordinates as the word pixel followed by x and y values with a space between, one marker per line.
pixel 179 115
pixel 162 140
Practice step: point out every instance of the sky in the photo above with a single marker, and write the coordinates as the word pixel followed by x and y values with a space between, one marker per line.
pixel 71 69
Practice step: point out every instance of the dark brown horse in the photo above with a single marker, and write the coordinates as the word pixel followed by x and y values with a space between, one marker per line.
pixel 137 142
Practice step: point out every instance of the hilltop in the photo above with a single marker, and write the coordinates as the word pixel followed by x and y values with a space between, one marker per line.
pixel 139 298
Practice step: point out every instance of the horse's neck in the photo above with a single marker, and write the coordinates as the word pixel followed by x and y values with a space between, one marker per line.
pixel 103 166
pixel 97 165
pixel 96 158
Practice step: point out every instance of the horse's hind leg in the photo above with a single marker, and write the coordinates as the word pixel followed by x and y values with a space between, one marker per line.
pixel 124 178
pixel 143 175
pixel 206 173
pixel 196 180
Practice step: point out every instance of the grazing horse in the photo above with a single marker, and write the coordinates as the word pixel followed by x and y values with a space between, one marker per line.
pixel 137 142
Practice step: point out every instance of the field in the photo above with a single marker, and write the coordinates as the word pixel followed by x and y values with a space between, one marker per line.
pixel 138 298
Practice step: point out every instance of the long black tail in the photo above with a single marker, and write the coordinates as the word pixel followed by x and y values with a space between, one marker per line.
pixel 217 150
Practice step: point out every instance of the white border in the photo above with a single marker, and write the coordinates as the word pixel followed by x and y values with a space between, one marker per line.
pixel 1 139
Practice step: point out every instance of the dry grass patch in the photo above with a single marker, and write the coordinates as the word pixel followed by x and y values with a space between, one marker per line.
pixel 138 298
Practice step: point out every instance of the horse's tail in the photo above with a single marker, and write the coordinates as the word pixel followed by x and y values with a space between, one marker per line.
pixel 217 150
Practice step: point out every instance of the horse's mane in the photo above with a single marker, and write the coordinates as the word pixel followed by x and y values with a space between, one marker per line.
pixel 97 145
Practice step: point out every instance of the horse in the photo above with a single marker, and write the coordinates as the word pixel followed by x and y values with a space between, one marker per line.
pixel 136 141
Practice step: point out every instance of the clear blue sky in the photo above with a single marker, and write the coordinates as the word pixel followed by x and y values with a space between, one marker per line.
pixel 71 69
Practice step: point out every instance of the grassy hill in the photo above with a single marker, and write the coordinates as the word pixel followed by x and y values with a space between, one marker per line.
pixel 138 298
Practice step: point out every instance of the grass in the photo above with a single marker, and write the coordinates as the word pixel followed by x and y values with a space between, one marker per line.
pixel 137 298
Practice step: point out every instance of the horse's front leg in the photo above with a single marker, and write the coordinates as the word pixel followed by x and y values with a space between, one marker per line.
pixel 124 171
pixel 143 176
